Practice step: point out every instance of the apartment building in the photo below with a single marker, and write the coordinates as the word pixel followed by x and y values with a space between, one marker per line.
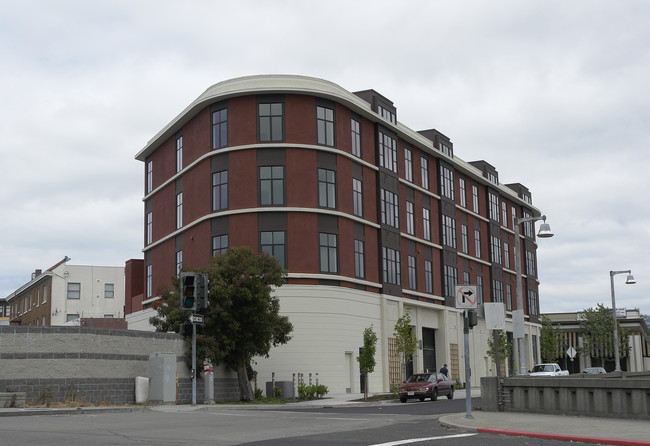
pixel 370 218
pixel 70 295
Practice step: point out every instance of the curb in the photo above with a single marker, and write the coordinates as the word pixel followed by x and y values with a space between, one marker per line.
pixel 68 411
pixel 562 437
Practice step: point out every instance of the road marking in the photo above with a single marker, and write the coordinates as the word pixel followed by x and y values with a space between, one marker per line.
pixel 417 440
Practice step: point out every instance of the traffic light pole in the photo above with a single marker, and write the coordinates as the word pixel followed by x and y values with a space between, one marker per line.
pixel 193 364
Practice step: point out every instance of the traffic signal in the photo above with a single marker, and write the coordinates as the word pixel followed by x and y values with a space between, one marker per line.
pixel 186 329
pixel 472 318
pixel 189 291
pixel 203 292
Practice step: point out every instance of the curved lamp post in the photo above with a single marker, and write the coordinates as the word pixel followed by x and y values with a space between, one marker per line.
pixel 629 281
pixel 518 316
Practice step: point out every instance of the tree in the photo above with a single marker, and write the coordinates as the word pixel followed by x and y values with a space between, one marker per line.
pixel 597 336
pixel 405 341
pixel 242 320
pixel 549 340
pixel 503 347
pixel 367 356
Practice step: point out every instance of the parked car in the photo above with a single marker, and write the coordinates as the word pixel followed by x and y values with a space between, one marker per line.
pixel 549 369
pixel 594 370
pixel 426 385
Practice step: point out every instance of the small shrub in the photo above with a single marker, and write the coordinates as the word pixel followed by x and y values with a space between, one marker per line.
pixel 310 392
pixel 258 394
pixel 277 392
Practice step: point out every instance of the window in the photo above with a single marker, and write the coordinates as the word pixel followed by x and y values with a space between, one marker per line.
pixel 386 114
pixel 466 278
pixel 475 198
pixel 356 137
pixel 219 244
pixel 326 188
pixel 179 153
pixel 451 280
pixel 461 191
pixel 387 152
pixel 532 302
pixel 446 149
pixel 412 273
pixel 495 243
pixel 426 222
pixel 497 291
pixel 273 243
pixel 506 255
pixel 479 288
pixel 530 263
pixel 389 208
pixel 391 266
pixel 325 126
pixel 149 227
pixel 493 178
pixel 448 231
pixel 477 243
pixel 149 176
pixel 357 197
pixel 74 290
pixel 410 226
pixel 424 171
pixel 149 282
pixel 45 291
pixel 514 215
pixel 428 277
pixel 220 128
pixel 408 164
pixel 179 261
pixel 179 210
pixel 220 190
pixel 494 206
pixel 109 290
pixel 108 316
pixel 529 226
pixel 508 297
pixel 464 238
pixel 271 121
pixel 447 182
pixel 504 213
pixel 328 252
pixel 359 262
pixel 272 185
pixel 71 317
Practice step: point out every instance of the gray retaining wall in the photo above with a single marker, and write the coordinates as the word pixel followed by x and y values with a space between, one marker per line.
pixel 620 395
pixel 96 365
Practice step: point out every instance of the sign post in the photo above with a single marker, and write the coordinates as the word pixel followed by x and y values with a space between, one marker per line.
pixel 467 300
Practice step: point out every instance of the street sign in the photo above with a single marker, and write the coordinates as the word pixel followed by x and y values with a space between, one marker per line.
pixel 196 319
pixel 466 297
pixel 571 352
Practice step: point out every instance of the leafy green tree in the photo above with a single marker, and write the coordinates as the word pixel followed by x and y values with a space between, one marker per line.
pixel 549 340
pixel 503 347
pixel 598 337
pixel 367 356
pixel 242 320
pixel 405 341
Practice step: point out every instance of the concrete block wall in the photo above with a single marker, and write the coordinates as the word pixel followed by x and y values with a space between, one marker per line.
pixel 94 365
pixel 622 395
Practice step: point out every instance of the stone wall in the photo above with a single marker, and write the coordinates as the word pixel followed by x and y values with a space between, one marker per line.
pixel 616 394
pixel 95 365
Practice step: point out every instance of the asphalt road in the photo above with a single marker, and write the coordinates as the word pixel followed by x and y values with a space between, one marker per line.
pixel 386 425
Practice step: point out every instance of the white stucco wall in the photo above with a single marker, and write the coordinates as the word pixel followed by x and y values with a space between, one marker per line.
pixel 92 302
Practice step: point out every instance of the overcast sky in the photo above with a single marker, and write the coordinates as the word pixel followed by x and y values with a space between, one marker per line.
pixel 560 87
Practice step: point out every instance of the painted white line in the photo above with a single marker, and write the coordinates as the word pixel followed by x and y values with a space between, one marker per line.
pixel 417 440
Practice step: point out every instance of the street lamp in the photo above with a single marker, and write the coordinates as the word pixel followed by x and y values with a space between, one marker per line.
pixel 518 315
pixel 629 281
